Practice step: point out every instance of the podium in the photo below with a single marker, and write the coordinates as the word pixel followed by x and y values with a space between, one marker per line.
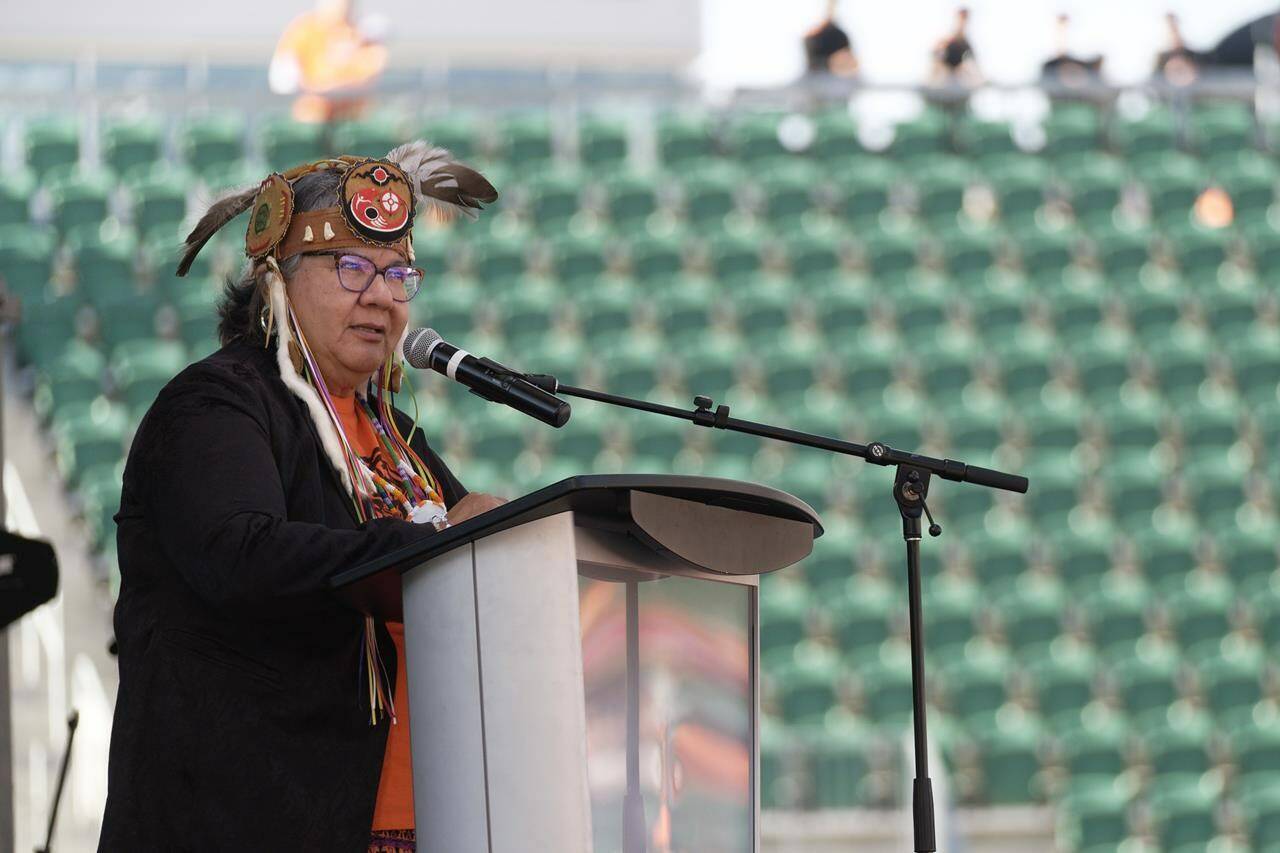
pixel 583 664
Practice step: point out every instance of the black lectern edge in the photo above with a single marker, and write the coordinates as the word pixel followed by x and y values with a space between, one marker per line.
pixel 581 493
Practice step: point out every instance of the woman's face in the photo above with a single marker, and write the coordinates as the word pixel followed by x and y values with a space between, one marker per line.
pixel 350 334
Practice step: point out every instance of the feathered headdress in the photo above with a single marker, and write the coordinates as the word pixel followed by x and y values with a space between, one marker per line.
pixel 377 202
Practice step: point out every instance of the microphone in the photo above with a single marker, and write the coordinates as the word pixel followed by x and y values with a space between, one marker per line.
pixel 425 350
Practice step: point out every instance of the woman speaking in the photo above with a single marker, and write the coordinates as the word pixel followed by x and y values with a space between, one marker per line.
pixel 257 710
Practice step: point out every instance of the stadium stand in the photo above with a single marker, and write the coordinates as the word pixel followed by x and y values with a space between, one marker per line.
pixel 1100 646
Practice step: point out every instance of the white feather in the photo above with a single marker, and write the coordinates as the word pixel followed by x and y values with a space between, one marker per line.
pixel 423 162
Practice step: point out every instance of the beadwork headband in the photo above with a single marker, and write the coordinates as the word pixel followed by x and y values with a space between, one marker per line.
pixel 377 201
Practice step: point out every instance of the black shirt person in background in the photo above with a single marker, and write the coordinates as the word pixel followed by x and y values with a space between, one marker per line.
pixel 953 57
pixel 1066 68
pixel 827 48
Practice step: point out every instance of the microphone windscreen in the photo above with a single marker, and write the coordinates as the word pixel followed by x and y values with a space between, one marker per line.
pixel 418 345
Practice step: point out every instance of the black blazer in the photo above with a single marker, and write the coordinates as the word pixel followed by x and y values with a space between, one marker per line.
pixel 241 723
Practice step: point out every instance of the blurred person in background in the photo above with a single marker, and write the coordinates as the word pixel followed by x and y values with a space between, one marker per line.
pixel 257 709
pixel 827 48
pixel 329 62
pixel 1066 68
pixel 1178 64
pixel 953 57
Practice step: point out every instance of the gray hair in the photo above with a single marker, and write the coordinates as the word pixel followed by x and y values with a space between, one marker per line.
pixel 242 301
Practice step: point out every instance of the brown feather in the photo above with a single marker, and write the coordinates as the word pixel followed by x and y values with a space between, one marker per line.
pixel 227 207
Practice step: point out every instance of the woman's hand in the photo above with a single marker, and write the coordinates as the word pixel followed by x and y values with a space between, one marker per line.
pixel 472 505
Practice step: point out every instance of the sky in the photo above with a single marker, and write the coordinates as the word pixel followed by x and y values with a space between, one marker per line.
pixel 757 42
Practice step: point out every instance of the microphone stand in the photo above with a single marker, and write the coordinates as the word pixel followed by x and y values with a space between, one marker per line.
pixel 910 488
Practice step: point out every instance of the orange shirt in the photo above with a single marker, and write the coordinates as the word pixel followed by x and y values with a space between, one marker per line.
pixel 394 809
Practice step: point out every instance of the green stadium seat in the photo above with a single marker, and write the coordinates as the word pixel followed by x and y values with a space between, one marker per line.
pixel 1179 748
pixel 1131 427
pixel 974 685
pixel 1152 134
pixel 1010 757
pixel 606 312
pixel 684 139
pixel 941 183
pixel 1116 613
pixel 1221 127
pixel 835 138
pixel 732 258
pixel 1185 813
pixel 831 565
pixel 753 137
pixel 1121 254
pixel 1232 681
pixel 1095 819
pixel 80 199
pixel 159 200
pixel 1249 177
pixel 984 140
pixel 711 364
pixel 1031 612
pixel 15 197
pixel 861 618
pixel 456 131
pixel 684 305
pixel 528 313
pixel 1076 314
pixel 886 691
pixel 73 377
pixel 1261 812
pixel 127 318
pixel 287 143
pixel 602 142
pixel 27 262
pixel 951 606
pixel 629 199
pixel 923 137
pixel 48 321
pixel 213 143
pixel 1046 256
pixel 1217 490
pixel 90 437
pixel 371 136
pixel 526 140
pixel 1019 182
pixel 841 761
pixel 106 268
pixel 1063 679
pixel 1147 682
pixel 784 619
pixel 889 255
pixel 656 259
pixel 552 199
pixel 1135 490
pixel 1071 129
pixel 52 144
pixel 141 368
pixel 814 260
pixel 496 259
pixel 577 261
pixel 99 491
pixel 969 256
pixel 862 190
pixel 788 194
pixel 710 195
pixel 1095 184
pixel 1248 558
pixel 1253 359
pixel 132 146
pixel 1173 182
pixel 1230 314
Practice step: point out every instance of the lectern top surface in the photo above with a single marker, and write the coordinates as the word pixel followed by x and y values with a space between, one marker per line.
pixel 600 496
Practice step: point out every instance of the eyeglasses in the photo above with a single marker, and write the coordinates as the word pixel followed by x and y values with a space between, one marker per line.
pixel 356 273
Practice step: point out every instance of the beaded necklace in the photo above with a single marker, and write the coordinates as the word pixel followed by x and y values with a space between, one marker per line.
pixel 416 497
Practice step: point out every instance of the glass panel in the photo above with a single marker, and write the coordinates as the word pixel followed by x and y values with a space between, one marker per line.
pixel 695 701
